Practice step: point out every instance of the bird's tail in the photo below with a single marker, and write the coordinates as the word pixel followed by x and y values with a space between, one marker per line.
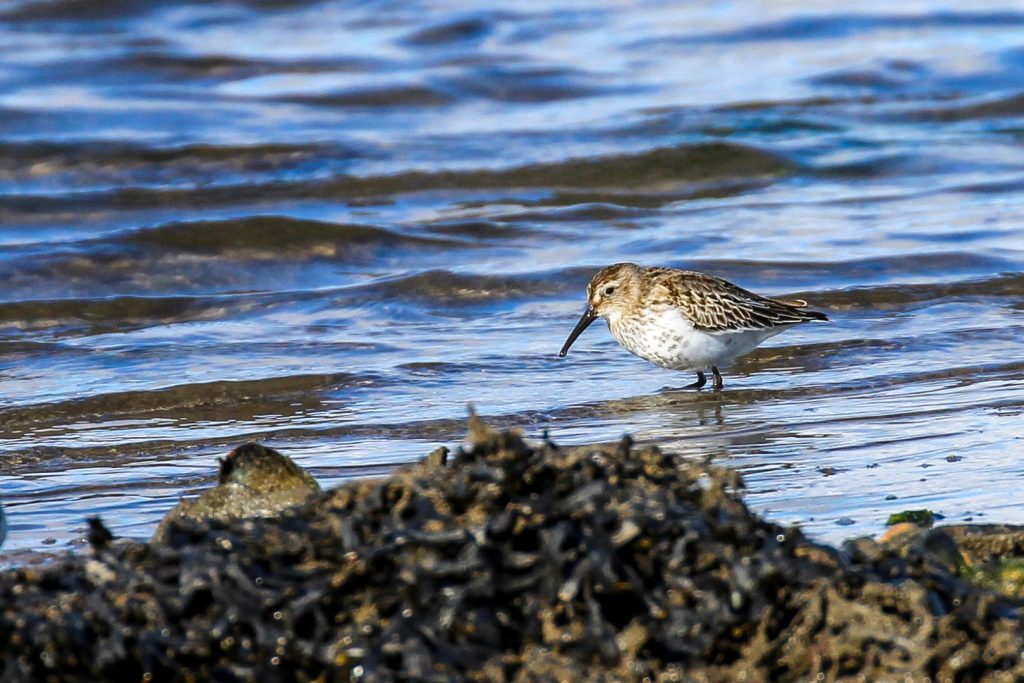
pixel 801 305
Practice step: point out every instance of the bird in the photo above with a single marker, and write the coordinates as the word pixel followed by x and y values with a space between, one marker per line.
pixel 683 319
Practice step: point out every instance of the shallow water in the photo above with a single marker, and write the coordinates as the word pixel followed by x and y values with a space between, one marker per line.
pixel 330 227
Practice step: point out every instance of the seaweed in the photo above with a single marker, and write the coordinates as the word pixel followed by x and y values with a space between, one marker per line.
pixel 508 561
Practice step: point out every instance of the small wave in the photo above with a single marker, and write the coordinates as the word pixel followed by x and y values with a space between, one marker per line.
pixel 34 167
pixel 904 296
pixel 175 65
pixel 275 237
pixel 462 30
pixel 203 401
pixel 838 25
pixel 488 82
pixel 577 212
pixel 205 257
pixel 108 315
pixel 445 288
pixel 869 79
pixel 385 96
pixel 484 230
pixel 1011 106
pixel 659 170
pixel 503 84
pixel 71 10
pixel 80 316
pixel 882 269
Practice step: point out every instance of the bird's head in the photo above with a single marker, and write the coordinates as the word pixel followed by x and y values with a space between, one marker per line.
pixel 612 292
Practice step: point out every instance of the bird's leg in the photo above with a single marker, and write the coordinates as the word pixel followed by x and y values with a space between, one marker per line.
pixel 716 382
pixel 701 381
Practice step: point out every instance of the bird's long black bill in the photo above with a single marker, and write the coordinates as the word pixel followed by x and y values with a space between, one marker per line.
pixel 589 316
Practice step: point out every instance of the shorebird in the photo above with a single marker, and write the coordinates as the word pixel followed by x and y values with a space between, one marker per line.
pixel 684 320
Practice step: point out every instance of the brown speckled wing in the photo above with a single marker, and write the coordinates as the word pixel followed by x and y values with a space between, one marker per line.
pixel 716 305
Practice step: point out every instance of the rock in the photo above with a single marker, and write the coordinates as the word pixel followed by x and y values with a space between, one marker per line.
pixel 98 573
pixel 99 535
pixel 516 562
pixel 924 518
pixel 1005 576
pixel 985 542
pixel 253 481
pixel 438 457
pixel 936 545
pixel 993 554
pixel 899 529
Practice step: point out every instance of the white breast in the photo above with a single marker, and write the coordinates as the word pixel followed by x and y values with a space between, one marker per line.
pixel 665 337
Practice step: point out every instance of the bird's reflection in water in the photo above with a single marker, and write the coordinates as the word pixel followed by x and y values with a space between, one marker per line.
pixel 718 425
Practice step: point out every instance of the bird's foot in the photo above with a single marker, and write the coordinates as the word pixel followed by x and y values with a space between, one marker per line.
pixel 701 381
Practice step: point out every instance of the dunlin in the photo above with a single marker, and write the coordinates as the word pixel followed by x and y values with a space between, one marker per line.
pixel 684 320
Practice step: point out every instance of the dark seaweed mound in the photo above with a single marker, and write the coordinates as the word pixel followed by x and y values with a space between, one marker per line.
pixel 517 562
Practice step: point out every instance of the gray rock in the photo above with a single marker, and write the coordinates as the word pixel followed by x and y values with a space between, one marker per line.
pixel 254 481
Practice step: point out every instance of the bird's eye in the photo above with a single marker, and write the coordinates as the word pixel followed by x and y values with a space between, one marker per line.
pixel 609 290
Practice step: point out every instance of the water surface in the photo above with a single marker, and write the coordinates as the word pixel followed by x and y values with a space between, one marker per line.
pixel 330 227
